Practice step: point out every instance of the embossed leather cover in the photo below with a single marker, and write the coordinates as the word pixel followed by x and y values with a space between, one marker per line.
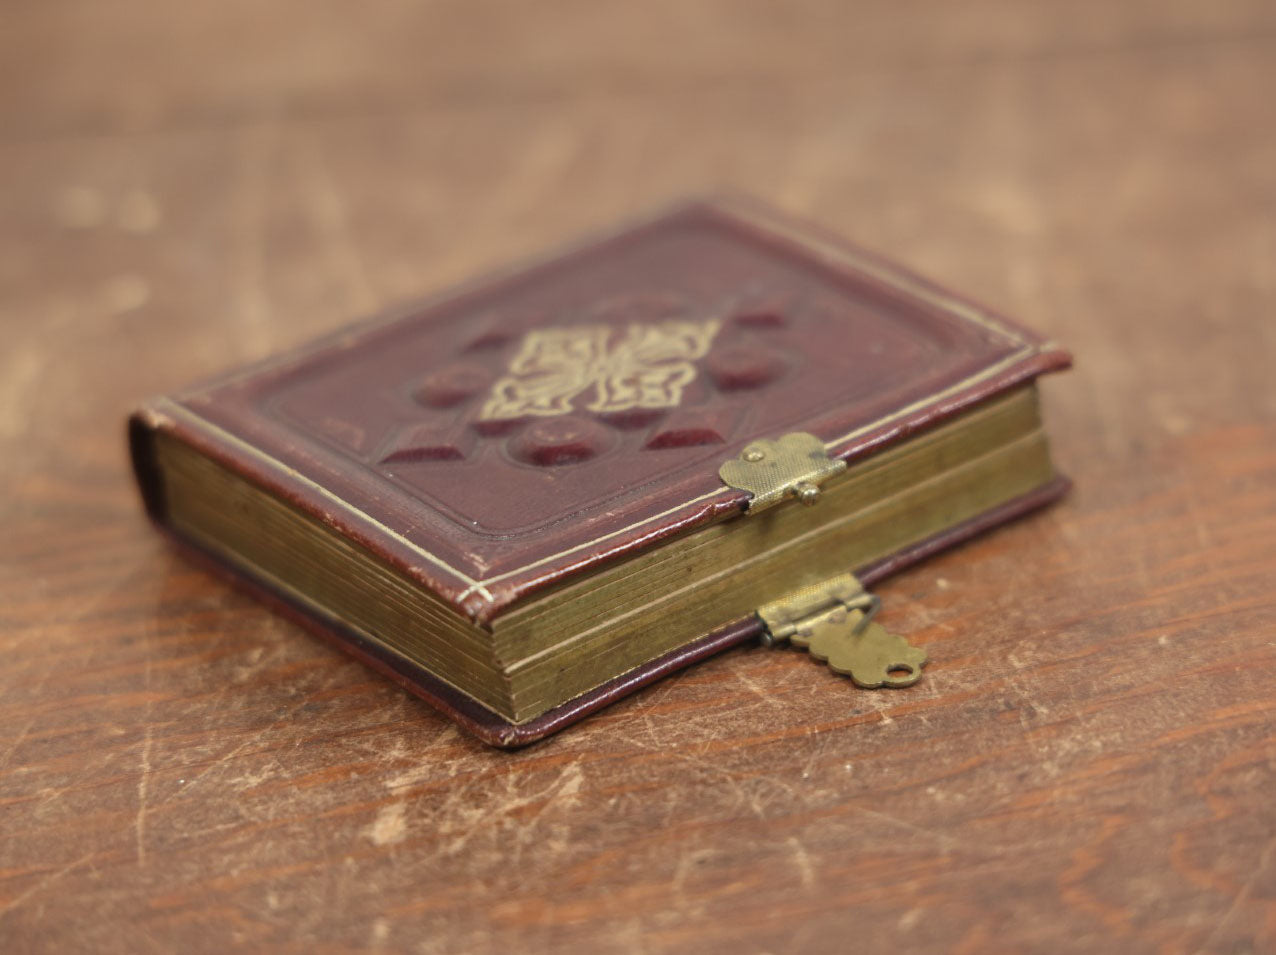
pixel 493 440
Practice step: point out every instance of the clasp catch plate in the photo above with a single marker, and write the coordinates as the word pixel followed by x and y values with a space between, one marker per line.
pixel 792 466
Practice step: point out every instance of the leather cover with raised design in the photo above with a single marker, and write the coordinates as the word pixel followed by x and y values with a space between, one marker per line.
pixel 514 433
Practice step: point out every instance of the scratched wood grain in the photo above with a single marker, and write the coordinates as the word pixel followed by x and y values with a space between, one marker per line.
pixel 1089 764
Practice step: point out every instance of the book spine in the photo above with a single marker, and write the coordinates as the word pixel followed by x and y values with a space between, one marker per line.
pixel 142 425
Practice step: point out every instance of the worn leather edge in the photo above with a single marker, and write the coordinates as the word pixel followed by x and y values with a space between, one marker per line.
pixel 494 729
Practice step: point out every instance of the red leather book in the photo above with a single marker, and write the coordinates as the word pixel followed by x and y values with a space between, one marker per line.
pixel 534 431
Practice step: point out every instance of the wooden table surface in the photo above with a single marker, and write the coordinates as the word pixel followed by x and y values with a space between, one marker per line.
pixel 1089 764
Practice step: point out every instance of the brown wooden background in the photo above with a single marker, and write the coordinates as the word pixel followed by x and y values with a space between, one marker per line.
pixel 1090 762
